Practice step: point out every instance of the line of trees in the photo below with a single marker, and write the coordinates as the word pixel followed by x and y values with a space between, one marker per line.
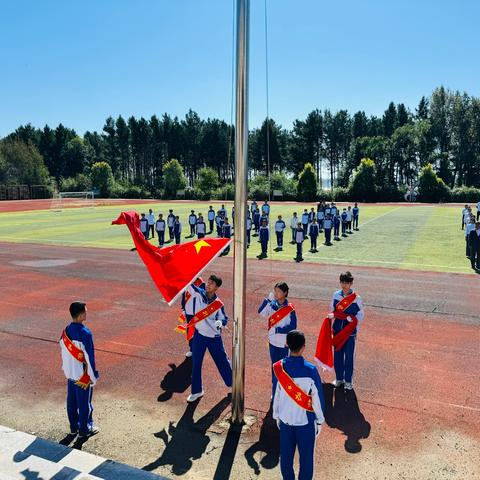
pixel 443 131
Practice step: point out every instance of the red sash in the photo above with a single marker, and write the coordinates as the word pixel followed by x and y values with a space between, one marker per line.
pixel 327 341
pixel 188 296
pixel 189 328
pixel 84 381
pixel 279 315
pixel 302 399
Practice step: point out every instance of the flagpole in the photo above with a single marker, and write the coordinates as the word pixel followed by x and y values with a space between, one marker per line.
pixel 240 237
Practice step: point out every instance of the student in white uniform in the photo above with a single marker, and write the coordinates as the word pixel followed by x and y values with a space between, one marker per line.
pixel 160 228
pixel 298 407
pixel 201 227
pixel 144 226
pixel 293 226
pixel 279 228
pixel 151 222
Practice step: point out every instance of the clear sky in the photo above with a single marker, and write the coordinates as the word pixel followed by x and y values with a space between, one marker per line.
pixel 77 62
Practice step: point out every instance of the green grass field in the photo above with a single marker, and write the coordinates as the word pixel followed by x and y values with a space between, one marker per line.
pixel 416 238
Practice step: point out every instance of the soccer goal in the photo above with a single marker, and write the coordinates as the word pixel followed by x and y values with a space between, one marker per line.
pixel 63 200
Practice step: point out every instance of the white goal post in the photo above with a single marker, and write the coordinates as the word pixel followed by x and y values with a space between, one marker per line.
pixel 63 200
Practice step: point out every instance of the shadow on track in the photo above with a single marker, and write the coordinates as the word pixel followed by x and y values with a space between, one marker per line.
pixel 187 440
pixel 177 380
pixel 227 457
pixel 343 413
pixel 268 442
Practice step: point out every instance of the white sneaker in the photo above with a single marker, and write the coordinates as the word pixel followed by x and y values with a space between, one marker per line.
pixel 188 354
pixel 337 383
pixel 348 386
pixel 195 396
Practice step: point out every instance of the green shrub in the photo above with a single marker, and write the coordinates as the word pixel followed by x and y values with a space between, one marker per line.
pixel 174 178
pixel 206 183
pixel 79 183
pixel 226 192
pixel 102 178
pixel 341 194
pixel 465 195
pixel 362 187
pixel 307 184
pixel 431 188
pixel 390 193
pixel 325 195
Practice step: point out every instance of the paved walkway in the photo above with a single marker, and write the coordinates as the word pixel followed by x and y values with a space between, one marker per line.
pixel 27 457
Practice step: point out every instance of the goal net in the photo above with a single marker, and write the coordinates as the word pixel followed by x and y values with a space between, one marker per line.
pixel 63 200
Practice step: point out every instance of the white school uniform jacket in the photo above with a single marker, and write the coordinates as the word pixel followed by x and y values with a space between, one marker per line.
pixel 306 376
pixel 201 228
pixel 82 338
pixel 143 225
pixel 277 335
pixel 469 228
pixel 151 219
pixel 160 225
pixel 171 220
pixel 349 215
pixel 198 302
pixel 211 215
pixel 279 226
pixel 356 308
pixel 299 236
pixel 294 222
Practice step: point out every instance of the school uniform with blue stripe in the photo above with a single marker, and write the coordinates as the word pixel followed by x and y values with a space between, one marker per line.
pixel 207 336
pixel 299 427
pixel 277 335
pixel 343 359
pixel 79 400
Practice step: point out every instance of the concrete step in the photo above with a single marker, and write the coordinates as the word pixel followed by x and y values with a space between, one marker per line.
pixel 27 457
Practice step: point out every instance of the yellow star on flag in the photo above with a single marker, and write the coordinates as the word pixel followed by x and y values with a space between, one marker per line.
pixel 201 243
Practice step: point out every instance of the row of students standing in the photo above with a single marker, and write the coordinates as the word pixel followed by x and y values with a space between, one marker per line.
pixel 472 241
pixel 196 223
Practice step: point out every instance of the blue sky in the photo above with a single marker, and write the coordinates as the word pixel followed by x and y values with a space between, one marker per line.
pixel 79 62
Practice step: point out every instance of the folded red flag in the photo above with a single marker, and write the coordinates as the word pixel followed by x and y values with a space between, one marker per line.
pixel 324 350
pixel 173 268
pixel 328 342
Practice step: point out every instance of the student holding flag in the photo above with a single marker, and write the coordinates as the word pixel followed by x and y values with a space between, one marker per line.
pixel 281 320
pixel 298 407
pixel 339 332
pixel 204 329
pixel 188 312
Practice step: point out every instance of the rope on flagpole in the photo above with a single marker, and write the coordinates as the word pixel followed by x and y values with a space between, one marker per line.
pixel 267 95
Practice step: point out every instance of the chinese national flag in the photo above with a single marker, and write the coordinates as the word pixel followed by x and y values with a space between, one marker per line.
pixel 173 268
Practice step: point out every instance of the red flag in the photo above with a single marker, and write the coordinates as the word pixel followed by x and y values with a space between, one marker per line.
pixel 327 341
pixel 324 350
pixel 173 268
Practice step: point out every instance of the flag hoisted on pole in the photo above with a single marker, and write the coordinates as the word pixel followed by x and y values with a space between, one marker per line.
pixel 240 237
